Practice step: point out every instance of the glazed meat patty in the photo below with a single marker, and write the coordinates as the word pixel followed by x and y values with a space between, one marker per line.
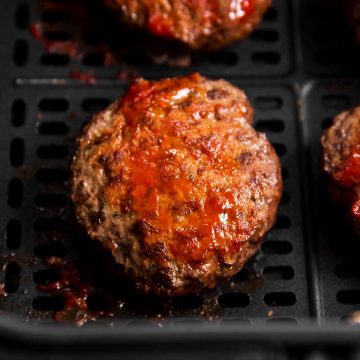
pixel 176 183
pixel 341 160
pixel 200 24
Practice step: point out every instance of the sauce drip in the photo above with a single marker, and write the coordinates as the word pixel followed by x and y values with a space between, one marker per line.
pixel 75 292
pixel 179 174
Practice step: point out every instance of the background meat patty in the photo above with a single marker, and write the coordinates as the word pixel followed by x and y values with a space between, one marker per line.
pixel 175 182
pixel 341 160
pixel 201 24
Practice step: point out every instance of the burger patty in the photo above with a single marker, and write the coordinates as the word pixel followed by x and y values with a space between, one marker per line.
pixel 176 183
pixel 341 160
pixel 201 24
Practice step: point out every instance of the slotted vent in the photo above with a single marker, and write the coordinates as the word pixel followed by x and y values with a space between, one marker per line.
pixel 48 119
pixel 338 242
pixel 52 48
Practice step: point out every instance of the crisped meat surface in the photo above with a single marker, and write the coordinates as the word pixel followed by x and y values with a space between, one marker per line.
pixel 175 182
pixel 201 24
pixel 341 160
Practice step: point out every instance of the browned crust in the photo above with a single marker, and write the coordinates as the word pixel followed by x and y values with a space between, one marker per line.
pixel 339 142
pixel 195 31
pixel 340 138
pixel 152 265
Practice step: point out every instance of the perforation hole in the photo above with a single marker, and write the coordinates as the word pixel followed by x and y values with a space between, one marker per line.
pixel 18 111
pixel 47 276
pixel 280 149
pixel 242 275
pixel 53 128
pixel 265 58
pixel 56 176
pixel 15 193
pixel 52 151
pixel 270 126
pixel 277 247
pixel 22 15
pixel 54 105
pixel 282 298
pixel 282 321
pixel 55 16
pixel 92 38
pixel 49 224
pixel 265 35
pixel 225 58
pixel 17 152
pixel 188 302
pixel 327 122
pixel 48 250
pixel 13 234
pixel 138 58
pixel 20 53
pixel 94 105
pixel 234 300
pixel 239 321
pixel 337 102
pixel 274 273
pixel 345 271
pixel 57 35
pixel 285 198
pixel 94 59
pixel 282 222
pixel 12 278
pixel 268 103
pixel 48 303
pixel 55 59
pixel 50 200
pixel 142 302
pixel 271 14
pixel 98 302
pixel 349 297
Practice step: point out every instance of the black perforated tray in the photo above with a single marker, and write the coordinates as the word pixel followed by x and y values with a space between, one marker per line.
pixel 299 69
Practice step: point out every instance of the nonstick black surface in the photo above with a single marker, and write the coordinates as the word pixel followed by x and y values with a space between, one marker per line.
pixel 62 62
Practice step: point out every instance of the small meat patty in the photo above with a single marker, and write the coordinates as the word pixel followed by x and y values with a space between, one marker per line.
pixel 176 183
pixel 201 24
pixel 341 160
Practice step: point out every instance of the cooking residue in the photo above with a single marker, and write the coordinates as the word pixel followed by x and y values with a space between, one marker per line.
pixel 75 292
pixel 90 294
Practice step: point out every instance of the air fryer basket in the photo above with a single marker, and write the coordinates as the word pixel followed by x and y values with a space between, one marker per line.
pixel 298 69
